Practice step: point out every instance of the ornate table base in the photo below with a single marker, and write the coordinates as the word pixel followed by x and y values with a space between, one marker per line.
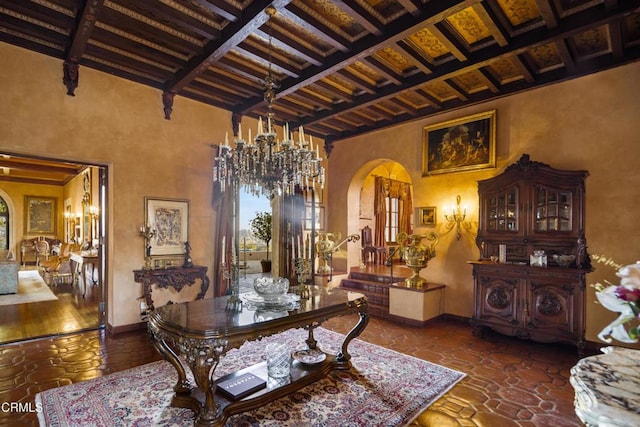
pixel 203 350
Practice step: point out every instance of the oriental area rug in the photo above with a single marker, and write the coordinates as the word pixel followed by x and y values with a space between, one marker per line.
pixel 383 388
pixel 31 288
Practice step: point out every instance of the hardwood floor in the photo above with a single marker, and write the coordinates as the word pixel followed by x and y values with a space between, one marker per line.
pixel 509 382
pixel 71 312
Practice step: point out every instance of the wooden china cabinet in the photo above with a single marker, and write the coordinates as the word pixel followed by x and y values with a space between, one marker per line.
pixel 532 207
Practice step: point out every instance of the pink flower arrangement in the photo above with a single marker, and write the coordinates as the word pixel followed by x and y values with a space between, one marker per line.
pixel 624 299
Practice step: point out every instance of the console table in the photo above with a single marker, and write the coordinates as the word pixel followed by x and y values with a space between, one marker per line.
pixel 607 388
pixel 82 260
pixel 199 333
pixel 176 278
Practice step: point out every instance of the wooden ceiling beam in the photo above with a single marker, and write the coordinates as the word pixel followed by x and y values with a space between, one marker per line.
pixel 434 103
pixel 86 23
pixel 412 6
pixel 565 55
pixel 413 57
pixel 357 81
pixel 381 68
pixel 337 93
pixel 315 101
pixel 484 15
pixel 184 20
pixel 257 54
pixel 360 15
pixel 572 25
pixel 381 111
pixel 220 8
pixel 42 168
pixel 617 43
pixel 548 15
pixel 404 105
pixel 282 41
pixel 403 27
pixel 233 34
pixel 303 19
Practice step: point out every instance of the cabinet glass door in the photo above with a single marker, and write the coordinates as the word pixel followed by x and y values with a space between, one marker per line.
pixel 553 209
pixel 502 211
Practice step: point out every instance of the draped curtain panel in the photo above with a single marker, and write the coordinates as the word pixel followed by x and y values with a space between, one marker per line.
pixel 380 210
pixel 292 214
pixel 223 205
pixel 385 187
pixel 405 208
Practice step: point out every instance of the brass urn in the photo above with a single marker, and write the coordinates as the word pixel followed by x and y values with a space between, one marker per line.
pixel 416 255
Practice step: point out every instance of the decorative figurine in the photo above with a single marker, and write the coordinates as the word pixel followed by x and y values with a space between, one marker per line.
pixel 187 257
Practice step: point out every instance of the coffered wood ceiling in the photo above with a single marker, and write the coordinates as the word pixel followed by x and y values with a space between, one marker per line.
pixel 37 171
pixel 345 67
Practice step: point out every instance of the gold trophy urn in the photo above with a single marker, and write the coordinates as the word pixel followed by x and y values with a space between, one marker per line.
pixel 416 255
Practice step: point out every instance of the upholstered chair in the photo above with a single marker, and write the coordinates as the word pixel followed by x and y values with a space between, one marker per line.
pixel 57 268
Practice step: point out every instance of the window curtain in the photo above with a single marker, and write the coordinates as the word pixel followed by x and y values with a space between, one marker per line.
pixel 223 206
pixel 292 215
pixel 385 187
pixel 405 208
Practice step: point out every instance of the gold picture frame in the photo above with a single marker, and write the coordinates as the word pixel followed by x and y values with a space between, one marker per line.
pixel 464 144
pixel 169 219
pixel 40 214
pixel 427 216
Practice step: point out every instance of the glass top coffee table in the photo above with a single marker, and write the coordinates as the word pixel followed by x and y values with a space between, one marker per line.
pixel 195 335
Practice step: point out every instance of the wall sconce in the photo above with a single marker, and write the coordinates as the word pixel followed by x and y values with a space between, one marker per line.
pixel 455 216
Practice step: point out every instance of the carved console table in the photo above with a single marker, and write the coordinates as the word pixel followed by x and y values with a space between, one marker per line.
pixel 176 278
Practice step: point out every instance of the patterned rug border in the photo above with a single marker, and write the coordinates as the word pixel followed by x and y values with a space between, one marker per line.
pixel 345 398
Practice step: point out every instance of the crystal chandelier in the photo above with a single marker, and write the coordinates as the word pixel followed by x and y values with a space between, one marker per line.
pixel 266 165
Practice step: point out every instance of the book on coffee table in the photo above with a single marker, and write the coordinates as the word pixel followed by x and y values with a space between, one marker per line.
pixel 241 386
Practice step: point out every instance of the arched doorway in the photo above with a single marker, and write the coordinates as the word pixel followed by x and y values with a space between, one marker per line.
pixel 360 200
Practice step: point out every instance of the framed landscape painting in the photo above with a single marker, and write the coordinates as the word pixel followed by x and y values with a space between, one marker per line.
pixel 463 144
pixel 39 215
pixel 427 216
pixel 169 219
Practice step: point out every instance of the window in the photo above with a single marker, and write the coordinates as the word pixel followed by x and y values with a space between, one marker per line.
pixel 393 219
pixel 4 225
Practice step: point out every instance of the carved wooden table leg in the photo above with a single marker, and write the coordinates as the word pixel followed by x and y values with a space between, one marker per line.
pixel 183 385
pixel 203 356
pixel 343 355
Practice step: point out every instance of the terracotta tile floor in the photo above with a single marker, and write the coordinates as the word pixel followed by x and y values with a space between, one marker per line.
pixel 509 382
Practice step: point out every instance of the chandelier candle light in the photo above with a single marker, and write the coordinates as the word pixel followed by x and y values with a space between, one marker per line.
pixel 265 164
pixel 455 216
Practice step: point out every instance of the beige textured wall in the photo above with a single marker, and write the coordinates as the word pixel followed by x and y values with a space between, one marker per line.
pixel 588 123
pixel 119 124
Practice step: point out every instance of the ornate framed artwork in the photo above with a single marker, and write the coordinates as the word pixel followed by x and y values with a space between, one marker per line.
pixel 463 144
pixel 427 216
pixel 169 219
pixel 40 215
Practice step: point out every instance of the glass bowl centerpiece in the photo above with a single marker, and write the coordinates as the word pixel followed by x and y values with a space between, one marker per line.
pixel 271 288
